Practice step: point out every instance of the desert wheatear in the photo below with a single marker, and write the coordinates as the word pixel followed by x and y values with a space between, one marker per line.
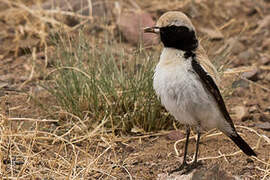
pixel 185 81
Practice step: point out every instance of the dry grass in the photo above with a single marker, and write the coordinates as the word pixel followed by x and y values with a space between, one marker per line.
pixel 72 141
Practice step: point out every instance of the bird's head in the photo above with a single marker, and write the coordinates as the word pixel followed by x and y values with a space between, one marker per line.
pixel 176 31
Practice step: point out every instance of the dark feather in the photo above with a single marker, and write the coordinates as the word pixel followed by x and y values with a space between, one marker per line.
pixel 242 145
pixel 211 86
pixel 179 37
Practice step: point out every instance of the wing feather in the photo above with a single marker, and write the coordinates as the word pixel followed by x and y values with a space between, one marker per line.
pixel 211 86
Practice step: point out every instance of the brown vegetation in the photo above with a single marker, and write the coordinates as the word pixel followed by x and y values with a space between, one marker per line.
pixel 42 138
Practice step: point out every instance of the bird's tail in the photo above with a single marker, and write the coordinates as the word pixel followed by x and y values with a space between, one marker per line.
pixel 236 138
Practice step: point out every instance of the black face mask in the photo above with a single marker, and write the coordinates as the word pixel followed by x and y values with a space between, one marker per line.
pixel 179 37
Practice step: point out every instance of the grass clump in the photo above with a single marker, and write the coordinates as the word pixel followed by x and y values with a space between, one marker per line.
pixel 107 81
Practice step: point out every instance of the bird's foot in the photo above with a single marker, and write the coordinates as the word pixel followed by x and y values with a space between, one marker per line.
pixel 180 168
pixel 186 168
pixel 191 167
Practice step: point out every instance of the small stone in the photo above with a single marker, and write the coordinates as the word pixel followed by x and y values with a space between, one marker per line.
pixel 249 160
pixel 264 23
pixel 250 102
pixel 253 109
pixel 266 44
pixel 264 117
pixel 246 55
pixel 265 60
pixel 264 126
pixel 175 135
pixel 251 75
pixel 241 112
pixel 267 77
pixel 240 83
pixel 239 91
pixel 267 109
pixel 165 176
pixel 236 45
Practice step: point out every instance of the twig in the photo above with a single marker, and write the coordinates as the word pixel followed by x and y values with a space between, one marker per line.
pixel 223 156
pixel 130 177
pixel 192 137
pixel 34 56
pixel 31 119
pixel 92 132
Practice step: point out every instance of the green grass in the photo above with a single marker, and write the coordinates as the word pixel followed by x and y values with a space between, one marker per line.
pixel 107 81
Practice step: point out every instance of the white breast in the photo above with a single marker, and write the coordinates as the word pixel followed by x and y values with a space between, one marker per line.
pixel 182 93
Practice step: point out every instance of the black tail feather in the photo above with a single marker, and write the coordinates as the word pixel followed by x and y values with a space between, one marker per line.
pixel 242 145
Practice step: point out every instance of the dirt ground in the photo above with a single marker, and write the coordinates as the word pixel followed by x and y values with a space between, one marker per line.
pixel 35 147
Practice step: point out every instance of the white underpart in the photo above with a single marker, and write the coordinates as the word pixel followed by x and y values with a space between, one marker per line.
pixel 183 95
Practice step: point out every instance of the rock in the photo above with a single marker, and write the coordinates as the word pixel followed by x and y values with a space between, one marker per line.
pixel 251 75
pixel 175 177
pixel 252 12
pixel 247 55
pixel 267 77
pixel 199 174
pixel 131 25
pixel 263 24
pixel 266 44
pixel 264 126
pixel 265 59
pixel 264 117
pixel 267 109
pixel 241 112
pixel 239 92
pixel 212 34
pixel 240 83
pixel 236 45
pixel 253 109
pixel 244 57
pixel 175 135
pixel 3 85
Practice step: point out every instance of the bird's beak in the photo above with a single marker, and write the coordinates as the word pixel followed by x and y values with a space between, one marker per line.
pixel 151 30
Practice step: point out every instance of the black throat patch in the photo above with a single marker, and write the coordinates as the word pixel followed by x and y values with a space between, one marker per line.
pixel 179 37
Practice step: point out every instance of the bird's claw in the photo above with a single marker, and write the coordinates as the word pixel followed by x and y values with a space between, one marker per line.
pixel 186 168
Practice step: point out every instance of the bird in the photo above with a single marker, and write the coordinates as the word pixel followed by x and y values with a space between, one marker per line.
pixel 186 82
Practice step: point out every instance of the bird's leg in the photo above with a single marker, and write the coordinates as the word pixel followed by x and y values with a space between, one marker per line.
pixel 184 164
pixel 197 146
pixel 195 163
pixel 186 168
pixel 186 146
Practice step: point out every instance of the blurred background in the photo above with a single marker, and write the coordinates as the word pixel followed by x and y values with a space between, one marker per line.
pixel 76 96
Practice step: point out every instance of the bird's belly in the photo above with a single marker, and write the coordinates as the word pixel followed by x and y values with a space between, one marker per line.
pixel 186 99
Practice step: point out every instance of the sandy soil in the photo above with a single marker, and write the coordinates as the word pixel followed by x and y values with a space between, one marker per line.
pixel 243 24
